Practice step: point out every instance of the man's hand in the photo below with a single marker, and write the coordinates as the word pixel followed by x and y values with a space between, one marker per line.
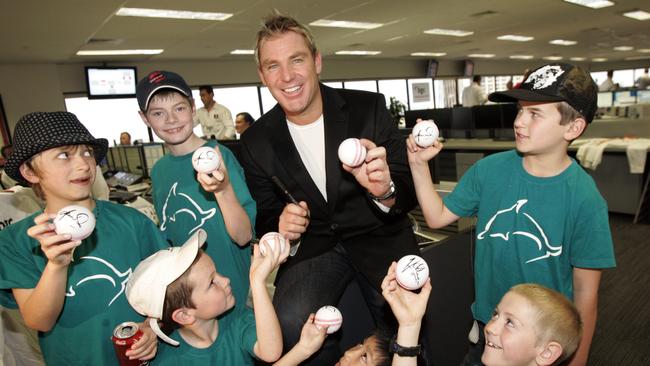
pixel 57 248
pixel 294 220
pixel 373 174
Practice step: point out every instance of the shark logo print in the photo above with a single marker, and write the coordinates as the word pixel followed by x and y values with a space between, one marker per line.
pixel 545 76
pixel 187 207
pixel 539 237
pixel 111 275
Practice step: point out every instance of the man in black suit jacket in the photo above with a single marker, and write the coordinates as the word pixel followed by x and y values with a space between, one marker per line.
pixel 350 222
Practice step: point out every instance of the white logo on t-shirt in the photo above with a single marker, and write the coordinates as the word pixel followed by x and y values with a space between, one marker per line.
pixel 187 206
pixel 112 275
pixel 538 237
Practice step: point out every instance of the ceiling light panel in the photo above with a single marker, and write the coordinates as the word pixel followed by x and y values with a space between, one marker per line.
pixel 599 59
pixel 563 42
pixel 357 53
pixel 594 4
pixel 449 32
pixel 429 54
pixel 481 55
pixel 552 58
pixel 638 15
pixel 242 52
pixel 521 57
pixel 171 14
pixel 577 58
pixel 623 48
pixel 515 38
pixel 344 24
pixel 119 52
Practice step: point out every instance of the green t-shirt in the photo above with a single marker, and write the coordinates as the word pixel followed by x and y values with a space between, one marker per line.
pixel 95 302
pixel 233 346
pixel 183 207
pixel 530 229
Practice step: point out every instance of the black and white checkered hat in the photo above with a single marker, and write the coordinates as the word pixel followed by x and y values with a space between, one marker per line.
pixel 40 131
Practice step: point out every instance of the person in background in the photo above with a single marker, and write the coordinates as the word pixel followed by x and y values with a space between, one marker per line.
pixel 215 119
pixel 350 222
pixel 526 73
pixel 509 85
pixel 608 84
pixel 72 291
pixel 474 94
pixel 643 81
pixel 379 349
pixel 125 139
pixel 243 121
pixel 540 217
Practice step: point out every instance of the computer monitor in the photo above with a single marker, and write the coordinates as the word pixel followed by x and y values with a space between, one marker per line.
pixel 487 119
pixel 441 116
pixel 605 99
pixel 509 113
pixel 151 153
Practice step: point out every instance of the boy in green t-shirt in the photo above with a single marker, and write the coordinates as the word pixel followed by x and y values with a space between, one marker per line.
pixel 540 217
pixel 181 287
pixel 218 203
pixel 72 291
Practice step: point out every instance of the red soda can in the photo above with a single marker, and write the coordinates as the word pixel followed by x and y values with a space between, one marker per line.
pixel 124 336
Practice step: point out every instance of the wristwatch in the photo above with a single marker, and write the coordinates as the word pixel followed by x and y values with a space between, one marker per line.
pixel 404 351
pixel 389 194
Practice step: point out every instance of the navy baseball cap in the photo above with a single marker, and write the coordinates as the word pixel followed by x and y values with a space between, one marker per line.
pixel 157 80
pixel 556 83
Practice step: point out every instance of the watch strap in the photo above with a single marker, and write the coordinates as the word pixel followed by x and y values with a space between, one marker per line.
pixel 404 351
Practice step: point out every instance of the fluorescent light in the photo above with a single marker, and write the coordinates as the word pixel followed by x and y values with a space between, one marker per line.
pixel 344 24
pixel 594 4
pixel 516 38
pixel 521 57
pixel 358 53
pixel 449 32
pixel 552 58
pixel 562 42
pixel 637 14
pixel 429 54
pixel 481 55
pixel 599 59
pixel 637 58
pixel 394 38
pixel 172 14
pixel 242 52
pixel 577 58
pixel 643 50
pixel 118 52
pixel 623 48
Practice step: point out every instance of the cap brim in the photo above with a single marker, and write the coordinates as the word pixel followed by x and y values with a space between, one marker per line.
pixel 163 86
pixel 515 95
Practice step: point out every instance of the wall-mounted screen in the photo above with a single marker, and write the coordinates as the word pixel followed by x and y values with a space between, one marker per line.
pixel 111 82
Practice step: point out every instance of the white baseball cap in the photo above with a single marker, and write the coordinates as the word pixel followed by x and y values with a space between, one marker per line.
pixel 147 286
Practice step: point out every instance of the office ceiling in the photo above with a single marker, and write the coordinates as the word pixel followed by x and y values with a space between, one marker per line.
pixel 53 31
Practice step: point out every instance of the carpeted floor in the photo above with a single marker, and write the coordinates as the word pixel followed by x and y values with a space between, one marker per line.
pixel 623 329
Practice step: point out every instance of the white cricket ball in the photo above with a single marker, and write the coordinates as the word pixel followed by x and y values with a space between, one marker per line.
pixel 330 317
pixel 412 271
pixel 75 220
pixel 205 160
pixel 275 241
pixel 425 133
pixel 351 152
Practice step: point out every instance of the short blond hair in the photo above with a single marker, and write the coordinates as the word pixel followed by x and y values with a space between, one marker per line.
pixel 275 24
pixel 557 318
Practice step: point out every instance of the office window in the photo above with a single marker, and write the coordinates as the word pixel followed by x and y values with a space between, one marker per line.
pixel 394 88
pixel 237 99
pixel 268 101
pixel 445 93
pixel 599 76
pixel 462 84
pixel 334 84
pixel 502 82
pixel 107 118
pixel 624 78
pixel 517 79
pixel 488 84
pixel 637 74
pixel 367 85
pixel 420 93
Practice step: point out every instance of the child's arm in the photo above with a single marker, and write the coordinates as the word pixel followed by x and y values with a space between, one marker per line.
pixel 144 348
pixel 409 308
pixel 269 336
pixel 585 297
pixel 434 210
pixel 237 222
pixel 311 340
pixel 41 306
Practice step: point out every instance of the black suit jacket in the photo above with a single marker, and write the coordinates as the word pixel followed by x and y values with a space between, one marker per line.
pixel 371 237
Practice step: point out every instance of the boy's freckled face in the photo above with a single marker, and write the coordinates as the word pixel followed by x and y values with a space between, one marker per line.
pixel 171 118
pixel 537 128
pixel 212 293
pixel 66 173
pixel 510 337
